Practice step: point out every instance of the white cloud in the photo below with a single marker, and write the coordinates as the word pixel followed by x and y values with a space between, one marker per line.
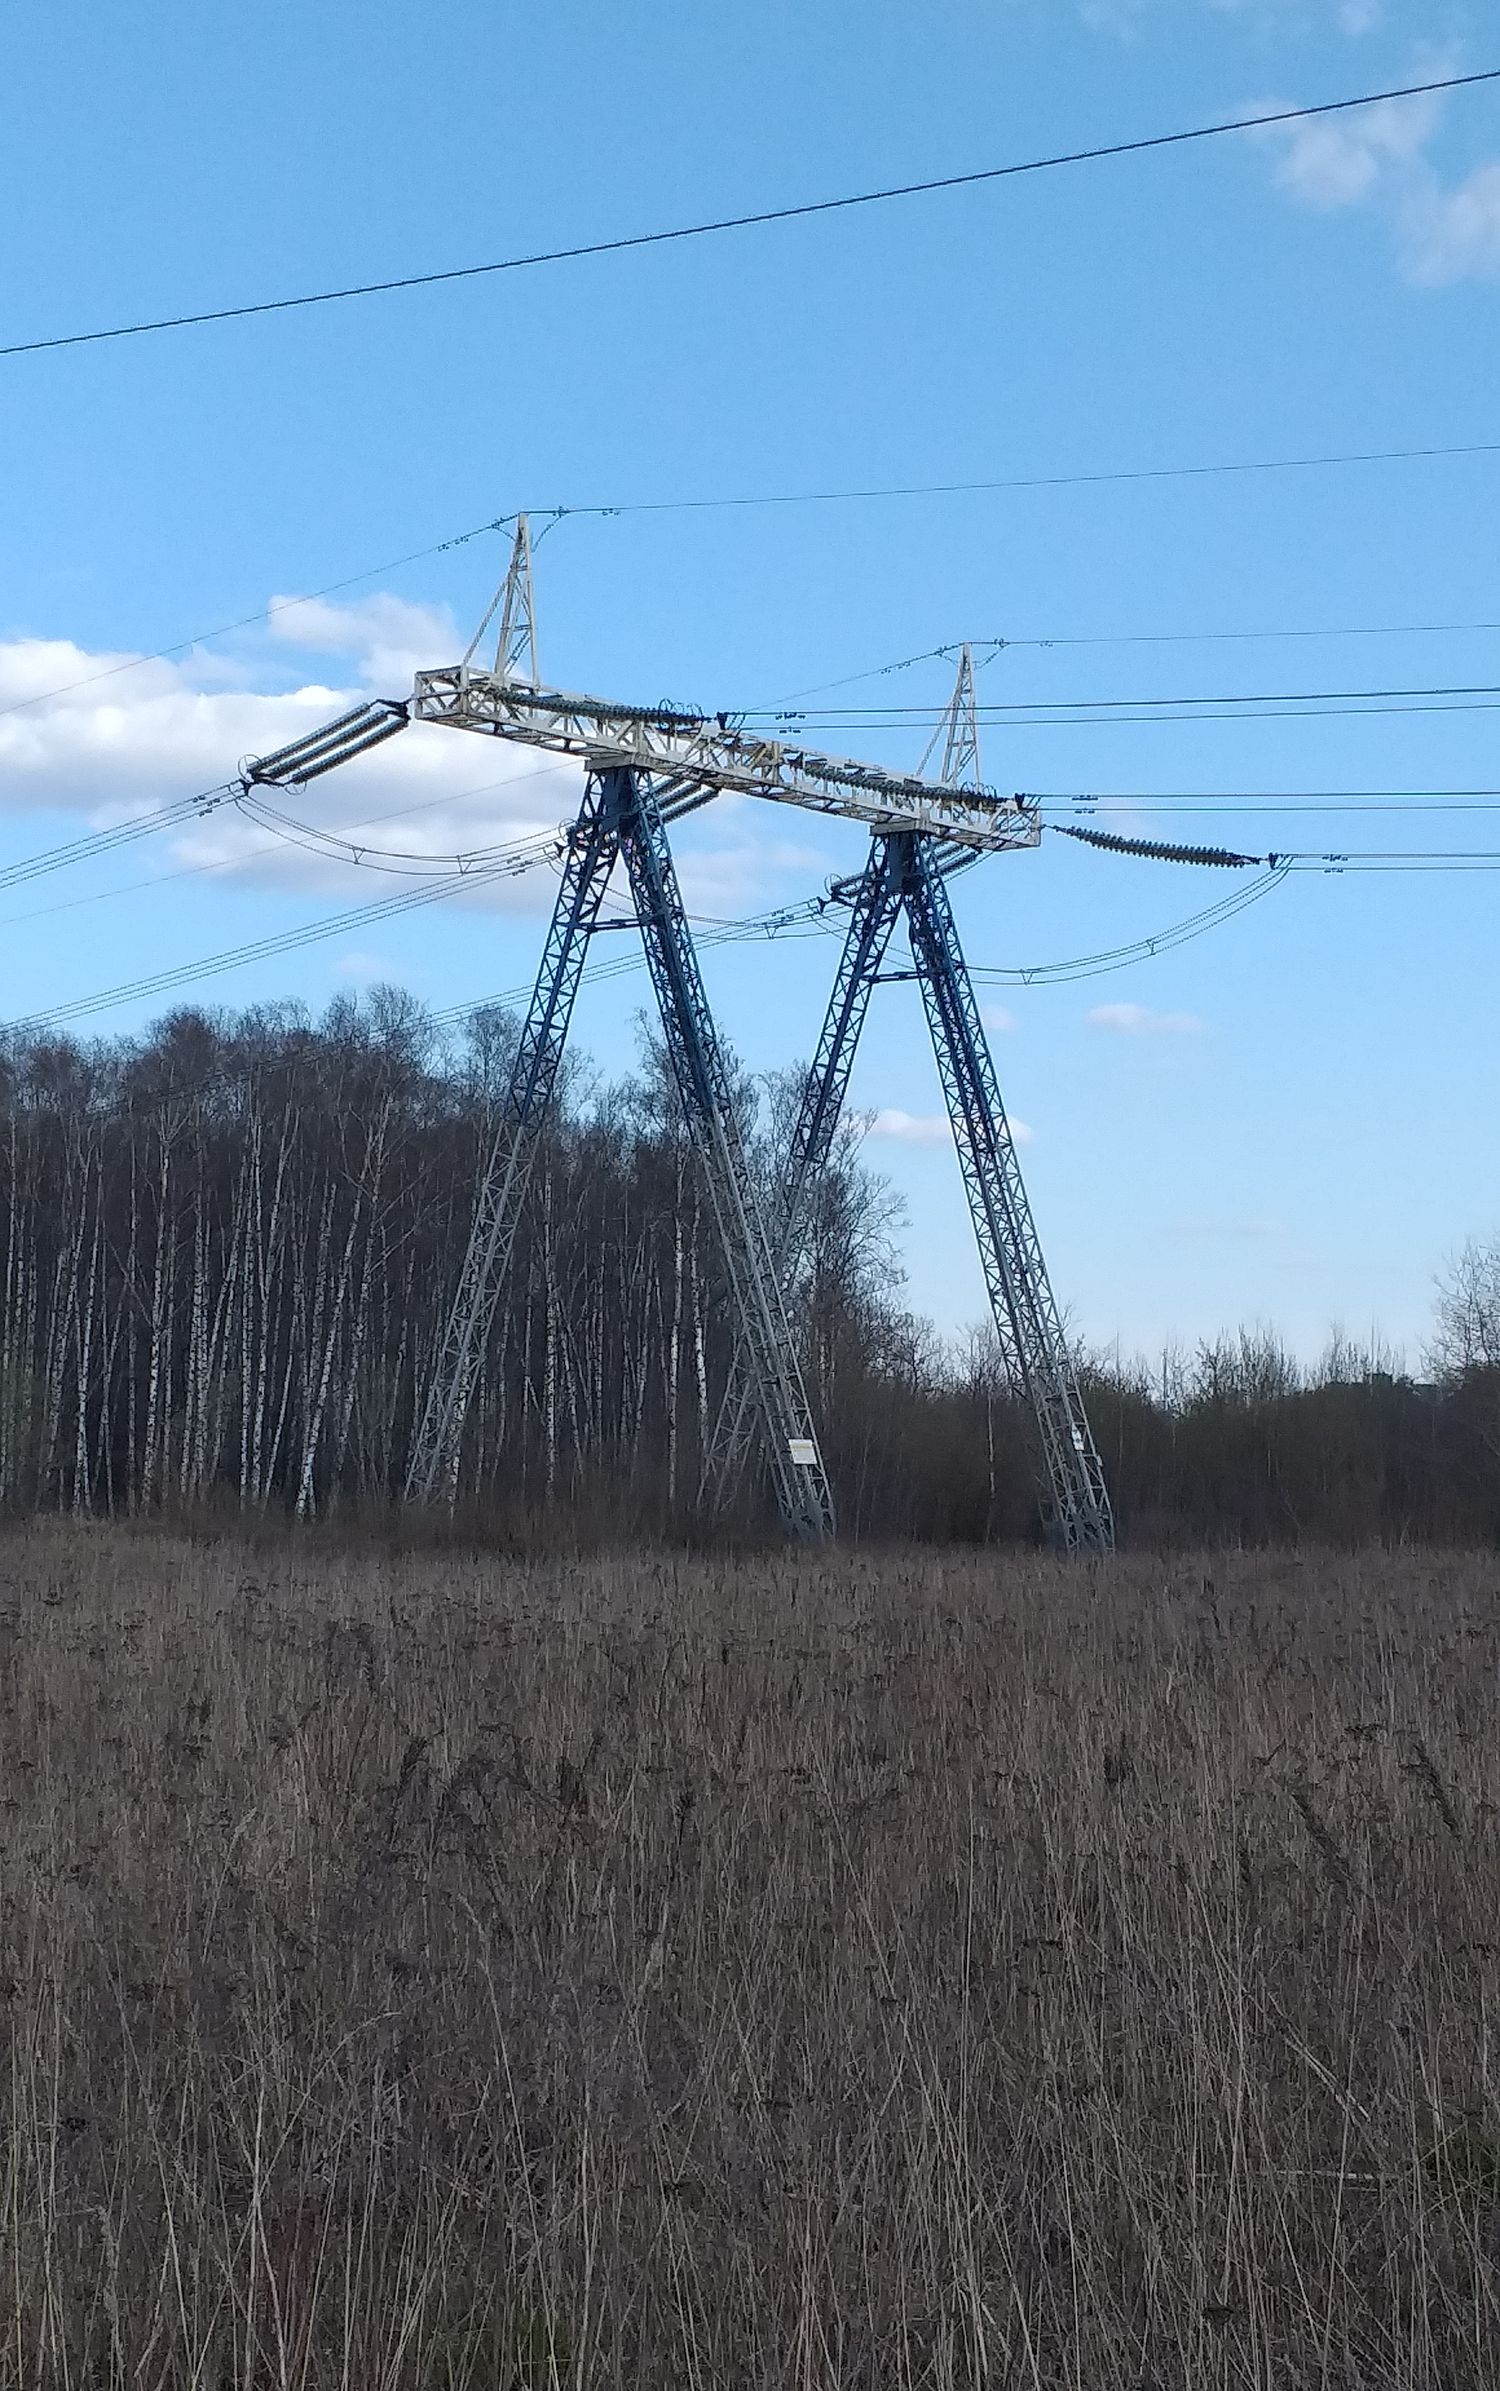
pixel 1352 17
pixel 1378 158
pixel 997 1017
pixel 1338 161
pixel 910 1128
pixel 364 969
pixel 723 876
pixel 389 638
pixel 928 1129
pixel 1138 1021
pixel 1452 235
pixel 106 735
pixel 1121 17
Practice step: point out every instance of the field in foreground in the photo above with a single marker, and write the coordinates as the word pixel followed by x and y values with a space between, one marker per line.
pixel 940 1971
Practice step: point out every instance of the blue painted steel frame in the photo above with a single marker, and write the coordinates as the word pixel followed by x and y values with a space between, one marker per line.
pixel 908 870
pixel 621 814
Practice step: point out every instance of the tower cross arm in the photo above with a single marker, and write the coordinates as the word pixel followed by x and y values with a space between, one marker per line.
pixel 711 753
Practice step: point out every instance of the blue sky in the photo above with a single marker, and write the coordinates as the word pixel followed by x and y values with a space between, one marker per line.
pixel 1293 1119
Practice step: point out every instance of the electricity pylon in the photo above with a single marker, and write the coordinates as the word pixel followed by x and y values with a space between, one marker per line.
pixel 621 816
pixel 645 766
pixel 908 871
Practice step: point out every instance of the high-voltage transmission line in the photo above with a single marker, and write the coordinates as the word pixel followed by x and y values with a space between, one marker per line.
pixel 645 767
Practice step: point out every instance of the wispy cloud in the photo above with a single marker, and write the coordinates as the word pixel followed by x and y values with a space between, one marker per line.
pixel 388 638
pixel 1378 159
pixel 364 969
pixel 103 735
pixel 1138 1021
pixel 997 1017
pixel 1125 18
pixel 80 736
pixel 1353 17
pixel 1340 161
pixel 929 1129
pixel 1454 235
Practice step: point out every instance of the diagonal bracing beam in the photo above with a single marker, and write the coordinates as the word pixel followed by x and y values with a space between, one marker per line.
pixel 1075 1500
pixel 777 1395
pixel 593 846
pixel 622 814
pixel 873 914
pixel 908 872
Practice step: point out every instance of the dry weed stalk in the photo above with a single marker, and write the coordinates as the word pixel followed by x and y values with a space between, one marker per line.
pixel 429 1972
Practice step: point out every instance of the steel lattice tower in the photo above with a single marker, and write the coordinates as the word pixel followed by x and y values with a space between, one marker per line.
pixel 908 871
pixel 645 766
pixel 621 817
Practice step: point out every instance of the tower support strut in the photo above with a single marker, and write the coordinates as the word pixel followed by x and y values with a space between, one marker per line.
pixel 621 816
pixel 1075 1499
pixel 876 905
pixel 906 872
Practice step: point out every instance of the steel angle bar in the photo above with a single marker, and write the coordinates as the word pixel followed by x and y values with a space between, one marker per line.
pixel 716 753
pixel 875 901
pixel 778 1395
pixel 593 845
pixel 1075 1499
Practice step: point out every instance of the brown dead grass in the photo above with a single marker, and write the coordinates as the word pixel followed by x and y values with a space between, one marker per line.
pixel 649 1972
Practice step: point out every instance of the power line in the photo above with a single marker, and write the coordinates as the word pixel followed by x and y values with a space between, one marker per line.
pixel 1235 797
pixel 1033 721
pixel 757 217
pixel 1110 639
pixel 1176 809
pixel 258 950
pixel 179 647
pixel 1087 967
pixel 1032 481
pixel 363 917
pixel 406 863
pixel 1039 713
pixel 814 917
pixel 1161 639
pixel 1043 481
pixel 1402 859
pixel 811 918
pixel 119 834
pixel 995 709
pixel 183 810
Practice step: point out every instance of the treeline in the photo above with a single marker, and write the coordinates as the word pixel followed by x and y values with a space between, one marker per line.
pixel 229 1249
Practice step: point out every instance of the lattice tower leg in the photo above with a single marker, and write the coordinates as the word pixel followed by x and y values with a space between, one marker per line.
pixel 872 917
pixel 1075 1500
pixel 593 846
pixel 781 1409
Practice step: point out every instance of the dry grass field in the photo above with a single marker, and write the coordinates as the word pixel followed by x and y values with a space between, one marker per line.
pixel 437 1972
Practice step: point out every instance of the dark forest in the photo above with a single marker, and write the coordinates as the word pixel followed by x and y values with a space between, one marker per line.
pixel 229 1248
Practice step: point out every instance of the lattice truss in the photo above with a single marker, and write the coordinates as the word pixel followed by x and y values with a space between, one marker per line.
pixel 645 767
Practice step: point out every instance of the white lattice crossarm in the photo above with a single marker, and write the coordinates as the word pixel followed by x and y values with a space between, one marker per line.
pixel 712 753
